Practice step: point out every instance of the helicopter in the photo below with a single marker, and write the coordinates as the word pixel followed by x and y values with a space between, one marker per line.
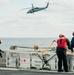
pixel 36 9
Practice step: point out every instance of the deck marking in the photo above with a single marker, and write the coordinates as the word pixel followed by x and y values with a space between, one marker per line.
pixel 3 68
pixel 31 70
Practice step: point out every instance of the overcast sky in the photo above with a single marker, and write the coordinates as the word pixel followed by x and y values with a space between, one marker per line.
pixel 57 18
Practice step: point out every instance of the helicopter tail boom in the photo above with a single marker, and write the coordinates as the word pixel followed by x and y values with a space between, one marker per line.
pixel 47 5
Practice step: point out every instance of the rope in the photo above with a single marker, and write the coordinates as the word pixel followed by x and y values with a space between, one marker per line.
pixel 47 47
pixel 15 47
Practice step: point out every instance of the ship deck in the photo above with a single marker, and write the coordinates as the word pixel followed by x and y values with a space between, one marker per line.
pixel 21 71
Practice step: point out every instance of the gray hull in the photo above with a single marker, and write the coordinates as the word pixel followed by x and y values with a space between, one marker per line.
pixel 16 71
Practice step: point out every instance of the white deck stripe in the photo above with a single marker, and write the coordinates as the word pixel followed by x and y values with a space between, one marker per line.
pixel 4 68
pixel 34 70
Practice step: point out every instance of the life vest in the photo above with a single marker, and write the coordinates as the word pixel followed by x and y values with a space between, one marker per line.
pixel 61 42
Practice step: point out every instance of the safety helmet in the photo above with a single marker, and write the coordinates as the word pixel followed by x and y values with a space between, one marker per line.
pixel 61 35
pixel 0 41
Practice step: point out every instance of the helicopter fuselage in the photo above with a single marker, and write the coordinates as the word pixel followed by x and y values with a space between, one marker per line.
pixel 35 9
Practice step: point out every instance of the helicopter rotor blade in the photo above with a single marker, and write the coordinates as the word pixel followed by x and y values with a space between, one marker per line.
pixel 25 8
pixel 32 6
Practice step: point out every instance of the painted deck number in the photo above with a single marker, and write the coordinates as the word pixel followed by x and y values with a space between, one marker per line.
pixel 23 60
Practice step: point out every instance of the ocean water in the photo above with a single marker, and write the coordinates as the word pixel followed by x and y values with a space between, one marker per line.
pixel 25 42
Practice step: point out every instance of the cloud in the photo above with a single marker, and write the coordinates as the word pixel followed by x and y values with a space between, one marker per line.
pixel 4 2
pixel 58 18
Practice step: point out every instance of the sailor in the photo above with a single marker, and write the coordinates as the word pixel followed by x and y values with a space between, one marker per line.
pixel 72 42
pixel 1 50
pixel 62 45
pixel 0 41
